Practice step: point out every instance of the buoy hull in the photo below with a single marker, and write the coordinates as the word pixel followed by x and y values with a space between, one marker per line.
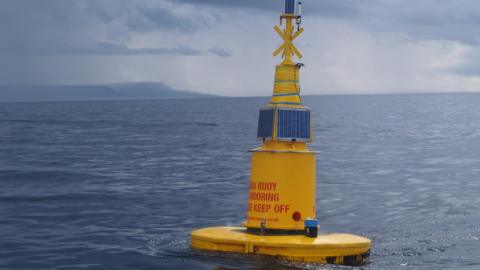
pixel 343 249
pixel 286 179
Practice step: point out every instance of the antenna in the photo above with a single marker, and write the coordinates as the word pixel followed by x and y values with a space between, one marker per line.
pixel 299 13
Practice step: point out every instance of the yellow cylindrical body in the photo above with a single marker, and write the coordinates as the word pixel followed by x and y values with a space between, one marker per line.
pixel 282 188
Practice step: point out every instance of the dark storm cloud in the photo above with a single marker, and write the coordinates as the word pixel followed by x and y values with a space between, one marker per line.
pixel 73 27
pixel 324 7
pixel 51 26
pixel 425 19
pixel 31 28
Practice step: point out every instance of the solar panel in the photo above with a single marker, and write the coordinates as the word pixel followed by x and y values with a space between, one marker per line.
pixel 293 125
pixel 290 6
pixel 265 123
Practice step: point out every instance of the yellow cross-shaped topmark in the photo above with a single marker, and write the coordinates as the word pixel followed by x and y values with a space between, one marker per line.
pixel 288 49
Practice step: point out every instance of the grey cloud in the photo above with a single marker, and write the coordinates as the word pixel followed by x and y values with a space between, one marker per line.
pixel 470 67
pixel 146 15
pixel 66 26
pixel 455 20
pixel 34 32
pixel 156 18
pixel 106 48
pixel 323 7
pixel 426 19
pixel 30 28
pixel 222 52
pixel 251 4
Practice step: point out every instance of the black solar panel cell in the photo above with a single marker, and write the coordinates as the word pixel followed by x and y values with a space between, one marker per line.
pixel 289 6
pixel 293 125
pixel 265 123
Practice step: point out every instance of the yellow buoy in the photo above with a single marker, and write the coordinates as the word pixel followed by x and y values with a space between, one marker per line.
pixel 330 248
pixel 281 217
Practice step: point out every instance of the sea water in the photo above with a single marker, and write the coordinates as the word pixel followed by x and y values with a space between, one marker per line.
pixel 120 184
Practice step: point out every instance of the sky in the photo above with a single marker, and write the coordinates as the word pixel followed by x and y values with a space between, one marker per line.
pixel 225 47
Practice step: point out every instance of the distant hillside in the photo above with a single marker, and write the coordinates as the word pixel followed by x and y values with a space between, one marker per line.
pixel 121 91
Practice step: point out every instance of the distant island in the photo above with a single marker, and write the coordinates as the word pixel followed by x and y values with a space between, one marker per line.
pixel 119 91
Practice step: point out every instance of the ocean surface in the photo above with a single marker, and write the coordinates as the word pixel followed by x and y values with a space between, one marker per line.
pixel 119 185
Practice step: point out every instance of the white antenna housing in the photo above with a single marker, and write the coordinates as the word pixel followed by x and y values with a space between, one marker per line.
pixel 299 13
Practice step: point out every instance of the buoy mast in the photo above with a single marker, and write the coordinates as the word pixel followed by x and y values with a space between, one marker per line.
pixel 287 88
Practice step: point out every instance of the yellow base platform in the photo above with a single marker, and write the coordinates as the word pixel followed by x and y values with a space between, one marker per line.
pixel 329 248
